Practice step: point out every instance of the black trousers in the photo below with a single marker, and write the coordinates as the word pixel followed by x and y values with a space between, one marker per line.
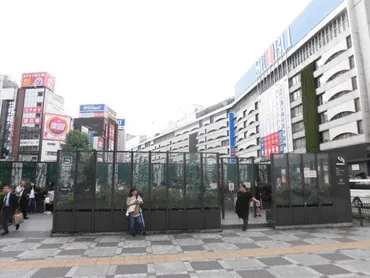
pixel 6 217
pixel 245 223
pixel 23 206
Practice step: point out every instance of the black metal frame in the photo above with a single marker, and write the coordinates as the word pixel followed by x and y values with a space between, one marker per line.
pixel 194 217
pixel 338 211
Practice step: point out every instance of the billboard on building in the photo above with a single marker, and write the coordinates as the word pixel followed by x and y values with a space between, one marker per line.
pixel 232 138
pixel 111 114
pixel 38 79
pixel 111 137
pixel 56 127
pixel 121 123
pixel 275 121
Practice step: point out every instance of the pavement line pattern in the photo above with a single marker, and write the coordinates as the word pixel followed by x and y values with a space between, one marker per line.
pixel 173 257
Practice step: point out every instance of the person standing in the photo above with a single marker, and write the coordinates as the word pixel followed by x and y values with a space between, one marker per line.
pixel 8 206
pixel 244 198
pixel 133 204
pixel 21 193
pixel 32 198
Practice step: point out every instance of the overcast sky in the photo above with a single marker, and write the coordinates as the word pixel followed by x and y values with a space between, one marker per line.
pixel 144 59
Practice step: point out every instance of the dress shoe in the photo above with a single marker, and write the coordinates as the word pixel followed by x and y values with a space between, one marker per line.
pixel 16 227
pixel 4 233
pixel 25 217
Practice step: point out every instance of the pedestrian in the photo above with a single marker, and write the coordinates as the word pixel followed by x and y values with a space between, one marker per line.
pixel 134 212
pixel 21 193
pixel 9 204
pixel 32 193
pixel 244 198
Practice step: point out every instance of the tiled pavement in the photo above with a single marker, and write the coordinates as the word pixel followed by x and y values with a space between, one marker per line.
pixel 258 253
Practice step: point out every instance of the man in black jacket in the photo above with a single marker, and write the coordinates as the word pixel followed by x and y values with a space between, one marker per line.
pixel 8 206
pixel 21 192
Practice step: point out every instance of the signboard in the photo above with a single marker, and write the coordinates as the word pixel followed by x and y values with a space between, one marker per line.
pixel 32 110
pixel 355 167
pixel 305 22
pixel 121 123
pixel 93 108
pixel 31 121
pixel 56 127
pixel 275 126
pixel 111 137
pixel 38 79
pixel 111 114
pixel 232 138
pixel 93 115
pixel 29 142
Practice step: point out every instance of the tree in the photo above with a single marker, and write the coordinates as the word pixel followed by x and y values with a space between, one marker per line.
pixel 76 141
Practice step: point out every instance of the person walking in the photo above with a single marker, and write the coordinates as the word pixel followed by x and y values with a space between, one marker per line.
pixel 134 213
pixel 21 193
pixel 244 198
pixel 9 204
pixel 33 191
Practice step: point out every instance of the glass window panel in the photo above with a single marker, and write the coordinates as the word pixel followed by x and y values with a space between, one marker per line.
pixel 325 187
pixel 193 180
pixel 141 174
pixel 295 177
pixel 210 180
pixel 85 180
pixel 311 192
pixel 281 183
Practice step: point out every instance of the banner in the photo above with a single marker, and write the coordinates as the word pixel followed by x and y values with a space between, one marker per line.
pixel 31 121
pixel 38 79
pixel 32 110
pixel 56 127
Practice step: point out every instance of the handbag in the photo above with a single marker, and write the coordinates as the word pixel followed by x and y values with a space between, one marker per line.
pixel 17 217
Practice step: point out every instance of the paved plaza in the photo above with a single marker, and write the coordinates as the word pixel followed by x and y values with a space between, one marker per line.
pixel 262 253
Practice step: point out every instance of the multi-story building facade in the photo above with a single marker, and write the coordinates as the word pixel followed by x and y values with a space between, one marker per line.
pixel 40 125
pixel 308 92
pixel 8 92
pixel 101 123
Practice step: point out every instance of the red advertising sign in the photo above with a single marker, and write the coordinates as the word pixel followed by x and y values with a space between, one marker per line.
pixel 56 127
pixel 32 110
pixel 31 121
pixel 38 79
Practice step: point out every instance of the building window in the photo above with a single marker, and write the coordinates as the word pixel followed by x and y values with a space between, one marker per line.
pixel 297 111
pixel 318 81
pixel 323 117
pixel 257 118
pixel 225 142
pixel 360 127
pixel 299 143
pixel 352 62
pixel 341 115
pixel 324 136
pixel 354 83
pixel 256 106
pixel 40 94
pixel 294 80
pixel 298 127
pixel 357 104
pixel 349 42
pixel 39 104
pixel 319 100
pixel 258 129
pixel 295 95
pixel 258 153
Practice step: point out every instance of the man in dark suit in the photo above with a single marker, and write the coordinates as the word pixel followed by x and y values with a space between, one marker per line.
pixel 8 206
pixel 21 192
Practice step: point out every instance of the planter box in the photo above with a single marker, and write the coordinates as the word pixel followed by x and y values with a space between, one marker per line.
pixel 211 218
pixel 284 217
pixel 157 220
pixel 298 216
pixel 102 221
pixel 120 221
pixel 313 215
pixel 83 221
pixel 176 220
pixel 194 219
pixel 327 214
pixel 63 221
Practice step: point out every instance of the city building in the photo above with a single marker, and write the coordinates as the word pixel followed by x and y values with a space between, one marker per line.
pixel 100 120
pixel 308 92
pixel 40 125
pixel 8 92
